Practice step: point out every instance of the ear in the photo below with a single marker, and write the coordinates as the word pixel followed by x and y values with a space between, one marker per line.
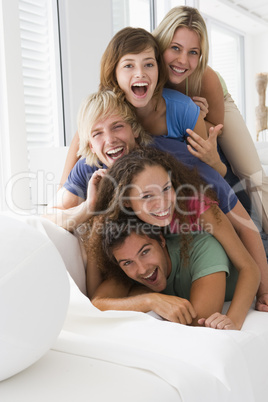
pixel 127 204
pixel 91 148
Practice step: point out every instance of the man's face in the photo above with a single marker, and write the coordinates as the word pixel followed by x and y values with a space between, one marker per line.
pixel 111 138
pixel 144 260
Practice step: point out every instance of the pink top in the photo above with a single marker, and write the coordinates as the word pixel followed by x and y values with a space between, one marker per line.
pixel 196 207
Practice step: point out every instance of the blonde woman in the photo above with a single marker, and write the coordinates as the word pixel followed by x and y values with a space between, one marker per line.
pixel 183 41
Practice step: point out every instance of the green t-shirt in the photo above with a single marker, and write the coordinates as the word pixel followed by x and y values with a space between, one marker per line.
pixel 206 256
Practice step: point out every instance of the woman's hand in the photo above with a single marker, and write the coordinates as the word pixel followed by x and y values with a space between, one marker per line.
pixel 206 150
pixel 203 104
pixel 217 321
pixel 262 302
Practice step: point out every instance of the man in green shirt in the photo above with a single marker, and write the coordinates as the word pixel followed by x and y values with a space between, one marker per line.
pixel 188 289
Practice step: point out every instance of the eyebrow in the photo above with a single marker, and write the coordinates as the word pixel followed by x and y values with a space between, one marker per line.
pixel 145 59
pixel 177 43
pixel 140 250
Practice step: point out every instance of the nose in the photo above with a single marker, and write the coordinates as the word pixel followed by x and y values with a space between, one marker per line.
pixel 139 71
pixel 159 201
pixel 141 269
pixel 182 57
pixel 109 137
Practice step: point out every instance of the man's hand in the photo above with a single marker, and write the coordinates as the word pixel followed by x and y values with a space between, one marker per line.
pixel 172 308
pixel 206 150
pixel 217 321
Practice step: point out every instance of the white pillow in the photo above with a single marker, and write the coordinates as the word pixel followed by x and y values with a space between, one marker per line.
pixel 34 295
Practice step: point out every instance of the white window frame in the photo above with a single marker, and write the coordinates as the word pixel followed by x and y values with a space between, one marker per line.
pixel 15 194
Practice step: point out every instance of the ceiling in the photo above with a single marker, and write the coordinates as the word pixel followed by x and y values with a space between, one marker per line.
pixel 249 16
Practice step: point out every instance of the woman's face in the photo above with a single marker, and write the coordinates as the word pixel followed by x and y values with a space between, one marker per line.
pixel 137 76
pixel 182 55
pixel 152 196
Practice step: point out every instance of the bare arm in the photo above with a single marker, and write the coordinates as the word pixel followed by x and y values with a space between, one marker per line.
pixel 115 295
pixel 200 127
pixel 207 297
pixel 250 236
pixel 248 271
pixel 211 89
pixel 71 159
pixel 66 211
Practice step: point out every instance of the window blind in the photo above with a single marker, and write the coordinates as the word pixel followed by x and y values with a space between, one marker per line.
pixel 42 84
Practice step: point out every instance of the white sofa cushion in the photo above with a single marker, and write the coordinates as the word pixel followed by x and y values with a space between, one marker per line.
pixel 34 295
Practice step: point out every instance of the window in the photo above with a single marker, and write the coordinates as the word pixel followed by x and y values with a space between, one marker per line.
pixel 41 72
pixel 162 7
pixel 226 55
pixel 135 13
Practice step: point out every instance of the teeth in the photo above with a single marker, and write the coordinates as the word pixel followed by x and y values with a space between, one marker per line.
pixel 160 214
pixel 178 70
pixel 140 84
pixel 149 276
pixel 114 151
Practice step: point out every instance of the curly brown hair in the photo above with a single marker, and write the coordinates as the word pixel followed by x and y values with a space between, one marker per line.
pixel 115 186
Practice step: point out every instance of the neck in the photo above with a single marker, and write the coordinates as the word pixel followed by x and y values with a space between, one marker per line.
pixel 168 261
pixel 146 110
pixel 181 87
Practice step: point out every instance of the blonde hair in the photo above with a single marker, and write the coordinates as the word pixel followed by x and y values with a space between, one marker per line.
pixel 187 17
pixel 130 41
pixel 101 105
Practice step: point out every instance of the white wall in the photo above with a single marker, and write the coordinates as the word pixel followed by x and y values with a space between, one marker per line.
pixel 86 29
pixel 256 56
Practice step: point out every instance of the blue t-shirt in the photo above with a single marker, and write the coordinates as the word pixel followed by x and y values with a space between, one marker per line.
pixel 80 175
pixel 181 113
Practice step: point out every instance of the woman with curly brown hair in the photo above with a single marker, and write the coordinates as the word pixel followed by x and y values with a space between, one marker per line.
pixel 159 190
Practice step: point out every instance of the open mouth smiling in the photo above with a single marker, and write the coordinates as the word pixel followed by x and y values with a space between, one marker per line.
pixel 178 70
pixel 140 89
pixel 161 214
pixel 152 276
pixel 115 153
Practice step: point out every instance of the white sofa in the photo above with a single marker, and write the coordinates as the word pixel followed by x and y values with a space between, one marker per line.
pixel 88 355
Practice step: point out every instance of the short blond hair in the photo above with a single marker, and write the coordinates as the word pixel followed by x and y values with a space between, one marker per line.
pixel 101 105
pixel 185 17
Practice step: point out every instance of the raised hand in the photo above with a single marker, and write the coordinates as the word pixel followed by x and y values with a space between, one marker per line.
pixel 206 150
